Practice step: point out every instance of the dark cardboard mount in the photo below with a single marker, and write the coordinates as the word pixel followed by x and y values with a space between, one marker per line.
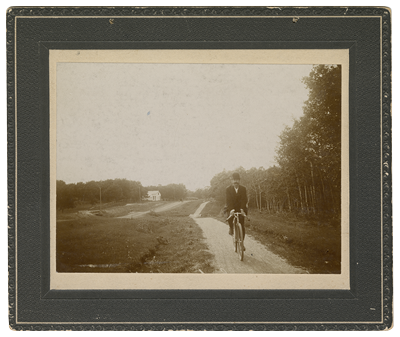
pixel 32 32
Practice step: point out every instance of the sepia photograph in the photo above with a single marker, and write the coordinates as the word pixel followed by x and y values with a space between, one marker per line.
pixel 198 168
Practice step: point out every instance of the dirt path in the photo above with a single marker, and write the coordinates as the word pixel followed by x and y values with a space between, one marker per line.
pixel 157 209
pixel 198 211
pixel 257 258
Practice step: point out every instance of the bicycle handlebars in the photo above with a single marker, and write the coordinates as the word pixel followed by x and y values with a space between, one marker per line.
pixel 237 214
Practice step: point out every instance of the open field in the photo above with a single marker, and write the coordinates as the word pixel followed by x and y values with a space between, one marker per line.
pixel 311 244
pixel 112 209
pixel 126 209
pixel 168 242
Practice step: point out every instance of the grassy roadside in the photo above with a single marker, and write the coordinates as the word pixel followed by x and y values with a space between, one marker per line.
pixel 168 242
pixel 313 245
pixel 185 250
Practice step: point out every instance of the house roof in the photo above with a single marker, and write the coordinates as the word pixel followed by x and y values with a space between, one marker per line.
pixel 153 192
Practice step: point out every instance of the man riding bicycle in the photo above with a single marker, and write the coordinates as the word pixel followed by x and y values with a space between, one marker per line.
pixel 236 201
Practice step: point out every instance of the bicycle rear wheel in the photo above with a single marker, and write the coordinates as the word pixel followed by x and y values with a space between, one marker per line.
pixel 239 243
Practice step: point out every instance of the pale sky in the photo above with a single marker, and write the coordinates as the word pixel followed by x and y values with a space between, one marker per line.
pixel 172 123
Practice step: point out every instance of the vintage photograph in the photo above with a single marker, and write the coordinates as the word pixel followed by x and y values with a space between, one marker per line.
pixel 204 168
pixel 199 168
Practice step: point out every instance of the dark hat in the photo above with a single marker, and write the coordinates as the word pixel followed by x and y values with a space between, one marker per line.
pixel 236 176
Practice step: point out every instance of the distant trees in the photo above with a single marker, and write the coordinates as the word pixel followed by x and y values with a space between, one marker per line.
pixel 218 185
pixel 65 196
pixel 200 193
pixel 70 195
pixel 308 176
pixel 112 190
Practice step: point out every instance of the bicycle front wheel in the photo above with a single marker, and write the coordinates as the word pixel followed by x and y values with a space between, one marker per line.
pixel 239 243
pixel 234 236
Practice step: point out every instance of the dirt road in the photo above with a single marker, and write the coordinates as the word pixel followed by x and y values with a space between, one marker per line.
pixel 156 209
pixel 257 258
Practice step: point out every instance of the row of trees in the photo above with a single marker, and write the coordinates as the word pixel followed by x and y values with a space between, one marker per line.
pixel 70 195
pixel 307 178
pixel 200 193
pixel 112 190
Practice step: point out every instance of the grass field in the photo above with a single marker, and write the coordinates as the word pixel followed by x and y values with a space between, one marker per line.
pixel 111 209
pixel 311 244
pixel 168 242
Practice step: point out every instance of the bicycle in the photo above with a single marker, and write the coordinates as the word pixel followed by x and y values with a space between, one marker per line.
pixel 238 239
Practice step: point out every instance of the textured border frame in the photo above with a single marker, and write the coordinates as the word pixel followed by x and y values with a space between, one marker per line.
pixel 386 180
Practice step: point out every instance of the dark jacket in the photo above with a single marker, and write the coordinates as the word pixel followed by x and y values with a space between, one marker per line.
pixel 237 200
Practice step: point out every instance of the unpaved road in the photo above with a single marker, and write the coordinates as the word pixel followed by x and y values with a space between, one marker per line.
pixel 157 209
pixel 257 258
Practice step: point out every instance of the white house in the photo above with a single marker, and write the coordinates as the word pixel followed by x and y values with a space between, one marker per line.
pixel 154 195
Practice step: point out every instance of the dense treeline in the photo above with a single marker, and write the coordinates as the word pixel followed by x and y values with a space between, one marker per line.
pixel 307 178
pixel 200 193
pixel 71 195
pixel 111 190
